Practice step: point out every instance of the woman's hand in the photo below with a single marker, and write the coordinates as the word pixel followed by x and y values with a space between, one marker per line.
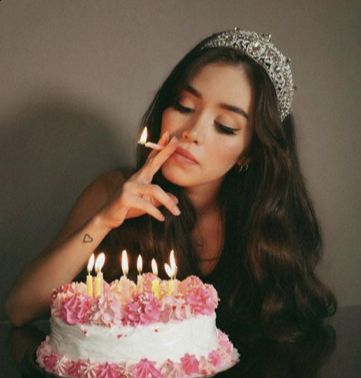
pixel 138 195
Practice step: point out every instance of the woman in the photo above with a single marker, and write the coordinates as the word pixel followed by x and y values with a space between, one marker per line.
pixel 226 192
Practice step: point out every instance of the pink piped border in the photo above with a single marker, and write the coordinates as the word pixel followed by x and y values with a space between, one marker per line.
pixel 222 358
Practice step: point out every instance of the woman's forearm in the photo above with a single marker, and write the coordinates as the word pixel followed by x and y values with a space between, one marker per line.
pixel 30 296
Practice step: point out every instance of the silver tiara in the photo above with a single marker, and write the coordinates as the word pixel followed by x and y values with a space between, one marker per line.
pixel 260 48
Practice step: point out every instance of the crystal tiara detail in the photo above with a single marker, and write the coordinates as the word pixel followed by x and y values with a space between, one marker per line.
pixel 260 48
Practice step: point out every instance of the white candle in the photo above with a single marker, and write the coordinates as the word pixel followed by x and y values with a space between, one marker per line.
pixel 139 278
pixel 171 282
pixel 172 264
pixel 124 282
pixel 155 282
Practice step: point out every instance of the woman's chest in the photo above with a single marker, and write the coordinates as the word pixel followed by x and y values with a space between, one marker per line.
pixel 208 243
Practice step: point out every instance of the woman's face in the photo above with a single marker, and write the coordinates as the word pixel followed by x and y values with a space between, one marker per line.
pixel 212 121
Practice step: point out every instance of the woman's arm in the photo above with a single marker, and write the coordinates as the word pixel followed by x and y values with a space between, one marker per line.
pixel 104 205
pixel 66 255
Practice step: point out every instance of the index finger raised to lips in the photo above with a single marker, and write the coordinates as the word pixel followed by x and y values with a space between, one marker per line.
pixel 162 156
pixel 164 139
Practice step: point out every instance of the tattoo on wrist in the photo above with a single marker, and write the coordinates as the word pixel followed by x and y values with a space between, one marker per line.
pixel 87 238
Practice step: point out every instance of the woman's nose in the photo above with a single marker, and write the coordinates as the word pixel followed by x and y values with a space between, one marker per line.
pixel 190 135
pixel 196 129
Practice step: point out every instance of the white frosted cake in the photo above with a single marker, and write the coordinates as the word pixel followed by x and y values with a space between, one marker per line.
pixel 152 331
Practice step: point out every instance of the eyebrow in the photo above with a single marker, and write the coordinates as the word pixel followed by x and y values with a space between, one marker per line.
pixel 232 108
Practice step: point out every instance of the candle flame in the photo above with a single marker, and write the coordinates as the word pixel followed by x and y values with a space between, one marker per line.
pixel 139 264
pixel 144 136
pixel 90 265
pixel 168 270
pixel 125 266
pixel 172 263
pixel 99 262
pixel 154 267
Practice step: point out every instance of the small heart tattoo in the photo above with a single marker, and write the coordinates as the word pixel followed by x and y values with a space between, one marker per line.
pixel 87 239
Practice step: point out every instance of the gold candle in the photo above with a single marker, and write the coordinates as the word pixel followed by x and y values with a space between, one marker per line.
pixel 89 277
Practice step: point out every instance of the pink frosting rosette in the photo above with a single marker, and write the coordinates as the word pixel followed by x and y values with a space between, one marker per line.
pixel 107 310
pixel 89 370
pixel 202 298
pixel 171 370
pixel 64 290
pixel 75 368
pixel 174 307
pixel 144 309
pixel 224 343
pixel 43 351
pixel 50 361
pixel 62 365
pixel 108 371
pixel 77 309
pixel 189 284
pixel 200 301
pixel 215 358
pixel 190 364
pixel 205 367
pixel 146 369
pixel 59 295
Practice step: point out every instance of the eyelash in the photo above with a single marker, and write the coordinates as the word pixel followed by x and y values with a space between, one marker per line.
pixel 221 128
pixel 225 129
pixel 182 108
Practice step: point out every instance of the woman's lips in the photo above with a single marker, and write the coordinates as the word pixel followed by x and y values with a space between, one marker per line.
pixel 186 155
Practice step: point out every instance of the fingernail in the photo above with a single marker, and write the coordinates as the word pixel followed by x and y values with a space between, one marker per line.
pixel 165 136
pixel 176 211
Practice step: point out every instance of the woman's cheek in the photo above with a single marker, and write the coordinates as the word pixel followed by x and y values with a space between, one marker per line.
pixel 166 120
pixel 171 121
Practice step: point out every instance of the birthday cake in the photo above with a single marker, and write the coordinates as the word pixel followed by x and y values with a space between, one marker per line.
pixel 162 331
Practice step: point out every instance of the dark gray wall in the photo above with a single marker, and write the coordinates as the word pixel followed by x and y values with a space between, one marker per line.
pixel 76 77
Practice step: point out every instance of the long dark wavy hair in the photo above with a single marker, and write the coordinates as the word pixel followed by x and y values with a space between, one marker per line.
pixel 266 276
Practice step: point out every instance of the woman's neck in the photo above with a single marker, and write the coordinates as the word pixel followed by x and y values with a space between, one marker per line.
pixel 204 198
pixel 207 235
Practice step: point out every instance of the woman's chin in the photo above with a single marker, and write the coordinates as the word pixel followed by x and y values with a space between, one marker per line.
pixel 173 176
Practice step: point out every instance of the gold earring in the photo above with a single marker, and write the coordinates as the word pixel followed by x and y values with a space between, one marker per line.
pixel 242 168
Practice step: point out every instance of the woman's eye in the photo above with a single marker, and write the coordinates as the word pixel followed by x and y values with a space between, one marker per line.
pixel 181 108
pixel 225 129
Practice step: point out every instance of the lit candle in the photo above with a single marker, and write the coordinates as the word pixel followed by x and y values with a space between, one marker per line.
pixel 98 282
pixel 174 270
pixel 89 277
pixel 173 264
pixel 143 141
pixel 155 282
pixel 171 282
pixel 124 282
pixel 139 278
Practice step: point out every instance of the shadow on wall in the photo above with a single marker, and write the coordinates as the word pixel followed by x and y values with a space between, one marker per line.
pixel 50 151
